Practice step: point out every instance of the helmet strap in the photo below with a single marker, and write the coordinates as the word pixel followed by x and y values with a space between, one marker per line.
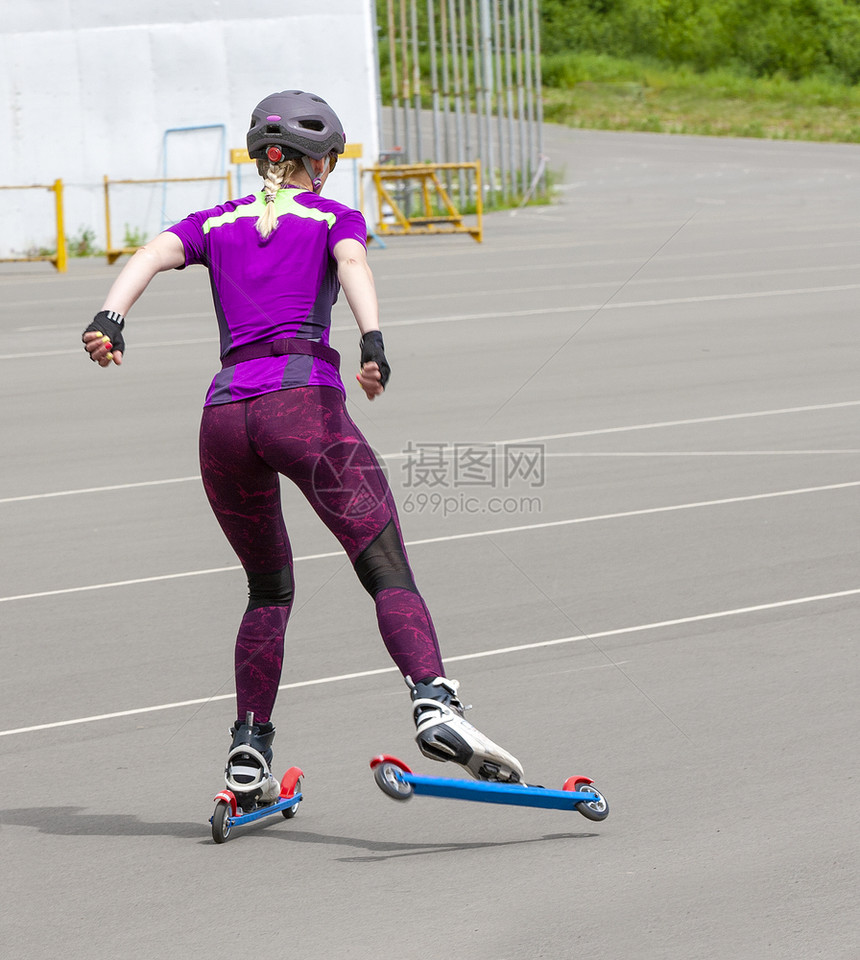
pixel 316 179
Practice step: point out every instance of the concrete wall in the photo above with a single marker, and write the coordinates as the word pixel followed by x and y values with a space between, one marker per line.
pixel 91 88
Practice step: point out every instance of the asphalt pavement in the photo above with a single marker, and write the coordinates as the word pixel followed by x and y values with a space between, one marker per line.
pixel 623 435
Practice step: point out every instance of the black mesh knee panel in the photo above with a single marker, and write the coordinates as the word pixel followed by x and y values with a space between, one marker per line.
pixel 383 565
pixel 270 589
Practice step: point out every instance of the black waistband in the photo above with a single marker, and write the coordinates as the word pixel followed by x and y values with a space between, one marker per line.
pixel 280 348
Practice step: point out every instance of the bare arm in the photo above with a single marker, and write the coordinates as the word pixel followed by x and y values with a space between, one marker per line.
pixel 164 252
pixel 353 272
pixel 355 277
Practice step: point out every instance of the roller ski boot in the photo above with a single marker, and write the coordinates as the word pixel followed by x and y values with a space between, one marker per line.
pixel 443 733
pixel 248 772
pixel 251 791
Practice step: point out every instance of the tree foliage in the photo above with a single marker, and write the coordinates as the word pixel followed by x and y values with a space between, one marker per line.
pixel 762 38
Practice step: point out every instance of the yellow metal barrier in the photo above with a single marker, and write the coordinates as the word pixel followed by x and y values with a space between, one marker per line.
pixel 434 196
pixel 114 253
pixel 60 258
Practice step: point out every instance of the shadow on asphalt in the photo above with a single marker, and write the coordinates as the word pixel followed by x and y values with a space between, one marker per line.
pixel 71 821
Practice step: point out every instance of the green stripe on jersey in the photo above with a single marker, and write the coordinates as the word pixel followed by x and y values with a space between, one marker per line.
pixel 285 202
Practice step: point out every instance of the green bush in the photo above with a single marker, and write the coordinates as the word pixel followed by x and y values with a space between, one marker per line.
pixel 762 38
pixel 83 244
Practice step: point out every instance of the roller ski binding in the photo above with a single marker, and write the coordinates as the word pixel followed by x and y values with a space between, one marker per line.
pixel 442 733
pixel 252 791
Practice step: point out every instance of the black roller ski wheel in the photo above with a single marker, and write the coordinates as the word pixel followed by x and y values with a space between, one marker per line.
pixel 388 782
pixel 592 809
pixel 220 827
pixel 290 812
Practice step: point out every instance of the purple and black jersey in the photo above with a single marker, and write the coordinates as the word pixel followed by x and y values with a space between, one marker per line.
pixel 273 288
pixel 286 415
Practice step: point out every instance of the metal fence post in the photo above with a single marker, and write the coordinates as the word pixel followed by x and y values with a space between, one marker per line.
pixel 62 261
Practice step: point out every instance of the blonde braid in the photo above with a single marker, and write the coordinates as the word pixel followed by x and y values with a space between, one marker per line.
pixel 274 176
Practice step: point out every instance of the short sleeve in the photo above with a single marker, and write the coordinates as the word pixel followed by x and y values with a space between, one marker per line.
pixel 349 225
pixel 190 232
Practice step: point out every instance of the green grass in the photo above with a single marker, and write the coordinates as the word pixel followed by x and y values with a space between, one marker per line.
pixel 601 92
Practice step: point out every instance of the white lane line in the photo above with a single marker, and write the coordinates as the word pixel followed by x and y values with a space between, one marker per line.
pixel 524 528
pixel 636 513
pixel 449 448
pixel 614 283
pixel 137 346
pixel 114 486
pixel 504 291
pixel 509 314
pixel 156 579
pixel 499 651
pixel 619 305
pixel 702 453
pixel 660 424
pixel 428 252
pixel 507 270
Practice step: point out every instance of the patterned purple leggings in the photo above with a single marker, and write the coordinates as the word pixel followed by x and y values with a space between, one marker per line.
pixel 306 434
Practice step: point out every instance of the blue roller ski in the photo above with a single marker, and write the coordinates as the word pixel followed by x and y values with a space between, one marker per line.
pixel 578 793
pixel 227 815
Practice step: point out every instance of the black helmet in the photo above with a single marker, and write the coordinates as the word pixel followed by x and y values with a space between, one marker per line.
pixel 301 124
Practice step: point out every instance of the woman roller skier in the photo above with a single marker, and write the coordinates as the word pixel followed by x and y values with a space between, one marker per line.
pixel 276 261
